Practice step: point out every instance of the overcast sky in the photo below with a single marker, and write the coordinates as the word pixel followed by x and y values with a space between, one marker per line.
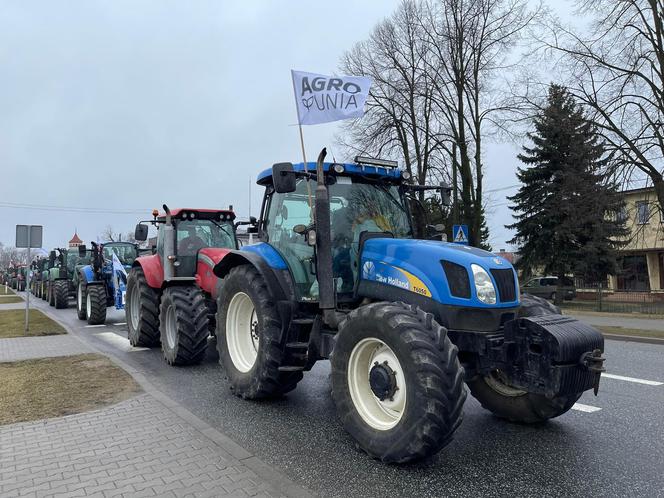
pixel 124 105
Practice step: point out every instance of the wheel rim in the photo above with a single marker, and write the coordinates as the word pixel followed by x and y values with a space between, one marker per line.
pixel 88 305
pixel 134 304
pixel 379 414
pixel 79 297
pixel 497 381
pixel 242 333
pixel 171 327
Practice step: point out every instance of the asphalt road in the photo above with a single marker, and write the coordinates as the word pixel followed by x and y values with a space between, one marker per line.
pixel 617 450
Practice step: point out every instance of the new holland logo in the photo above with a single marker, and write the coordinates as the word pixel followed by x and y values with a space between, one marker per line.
pixel 498 261
pixel 368 271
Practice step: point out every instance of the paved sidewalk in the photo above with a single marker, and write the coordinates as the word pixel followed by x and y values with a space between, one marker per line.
pixel 25 348
pixel 618 321
pixel 135 448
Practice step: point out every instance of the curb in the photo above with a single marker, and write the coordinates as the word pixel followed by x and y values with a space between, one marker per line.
pixel 277 480
pixel 634 338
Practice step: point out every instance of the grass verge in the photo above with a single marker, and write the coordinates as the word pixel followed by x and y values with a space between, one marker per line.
pixel 12 324
pixel 659 334
pixel 6 299
pixel 54 387
pixel 8 292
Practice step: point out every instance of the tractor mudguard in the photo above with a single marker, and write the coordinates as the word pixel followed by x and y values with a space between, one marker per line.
pixel 206 260
pixel 154 273
pixel 87 275
pixel 278 284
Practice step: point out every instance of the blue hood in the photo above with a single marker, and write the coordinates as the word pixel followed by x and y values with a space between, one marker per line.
pixel 416 265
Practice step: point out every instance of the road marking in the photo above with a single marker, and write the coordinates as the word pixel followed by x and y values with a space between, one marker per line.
pixel 121 343
pixel 94 326
pixel 585 408
pixel 120 323
pixel 633 379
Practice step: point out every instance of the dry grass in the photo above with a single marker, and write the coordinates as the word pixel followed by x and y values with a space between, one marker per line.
pixel 628 331
pixel 12 324
pixel 7 299
pixel 54 387
pixel 8 292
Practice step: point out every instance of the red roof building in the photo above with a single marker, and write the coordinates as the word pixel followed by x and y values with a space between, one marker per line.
pixel 75 241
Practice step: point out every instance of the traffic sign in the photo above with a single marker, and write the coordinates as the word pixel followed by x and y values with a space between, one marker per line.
pixel 460 234
pixel 28 236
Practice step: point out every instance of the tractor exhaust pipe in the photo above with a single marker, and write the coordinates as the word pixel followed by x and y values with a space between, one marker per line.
pixel 324 273
pixel 169 246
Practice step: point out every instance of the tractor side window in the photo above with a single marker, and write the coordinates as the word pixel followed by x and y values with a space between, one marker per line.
pixel 284 212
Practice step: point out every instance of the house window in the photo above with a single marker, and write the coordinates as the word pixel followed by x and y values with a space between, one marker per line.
pixel 633 273
pixel 642 212
pixel 622 215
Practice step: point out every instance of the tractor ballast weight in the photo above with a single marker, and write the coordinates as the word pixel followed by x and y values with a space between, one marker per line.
pixel 404 322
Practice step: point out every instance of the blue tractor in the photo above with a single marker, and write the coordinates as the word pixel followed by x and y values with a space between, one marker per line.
pixel 103 283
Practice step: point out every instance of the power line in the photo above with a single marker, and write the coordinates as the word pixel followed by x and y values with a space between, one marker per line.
pixel 71 209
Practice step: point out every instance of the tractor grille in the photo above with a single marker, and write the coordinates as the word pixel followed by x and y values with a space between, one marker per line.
pixel 505 281
pixel 457 279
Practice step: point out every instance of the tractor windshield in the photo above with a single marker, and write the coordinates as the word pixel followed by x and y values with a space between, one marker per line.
pixel 196 234
pixel 356 206
pixel 72 259
pixel 126 253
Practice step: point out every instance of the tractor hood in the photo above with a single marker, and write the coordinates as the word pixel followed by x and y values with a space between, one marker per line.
pixel 440 271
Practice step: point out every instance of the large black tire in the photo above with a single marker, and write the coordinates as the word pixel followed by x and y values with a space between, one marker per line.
pixel 495 395
pixel 81 299
pixel 263 379
pixel 51 293
pixel 95 303
pixel 427 371
pixel 60 294
pixel 184 325
pixel 142 322
pixel 42 292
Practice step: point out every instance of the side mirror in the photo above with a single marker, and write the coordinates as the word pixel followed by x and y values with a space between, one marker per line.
pixel 283 178
pixel 439 228
pixel 445 194
pixel 252 220
pixel 141 232
pixel 82 250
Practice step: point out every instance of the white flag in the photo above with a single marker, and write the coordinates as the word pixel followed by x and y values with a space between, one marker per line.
pixel 118 266
pixel 321 99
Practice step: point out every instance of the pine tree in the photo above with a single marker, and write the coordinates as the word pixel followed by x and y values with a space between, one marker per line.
pixel 566 210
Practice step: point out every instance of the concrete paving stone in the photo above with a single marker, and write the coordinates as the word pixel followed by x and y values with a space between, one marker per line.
pixel 24 348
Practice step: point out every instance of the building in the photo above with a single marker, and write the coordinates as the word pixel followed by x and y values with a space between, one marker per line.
pixel 641 262
pixel 75 241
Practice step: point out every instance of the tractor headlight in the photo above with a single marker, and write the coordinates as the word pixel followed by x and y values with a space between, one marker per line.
pixel 486 292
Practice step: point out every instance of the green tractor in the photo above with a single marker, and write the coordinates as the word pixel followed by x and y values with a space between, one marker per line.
pixel 39 270
pixel 62 274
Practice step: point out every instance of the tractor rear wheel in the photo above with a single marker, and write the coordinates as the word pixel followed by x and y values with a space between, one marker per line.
pixel 60 294
pixel 397 382
pixel 141 310
pixel 81 300
pixel 495 394
pixel 248 337
pixel 95 304
pixel 184 325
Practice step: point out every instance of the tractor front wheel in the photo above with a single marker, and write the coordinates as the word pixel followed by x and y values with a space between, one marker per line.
pixel 396 382
pixel 184 325
pixel 81 300
pixel 95 304
pixel 60 294
pixel 51 294
pixel 248 337
pixel 495 393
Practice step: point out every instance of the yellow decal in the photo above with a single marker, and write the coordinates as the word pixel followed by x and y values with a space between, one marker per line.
pixel 415 284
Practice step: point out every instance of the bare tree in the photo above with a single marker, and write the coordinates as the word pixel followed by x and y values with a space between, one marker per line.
pixel 617 71
pixel 436 68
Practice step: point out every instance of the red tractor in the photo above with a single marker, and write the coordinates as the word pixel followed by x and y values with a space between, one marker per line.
pixel 171 294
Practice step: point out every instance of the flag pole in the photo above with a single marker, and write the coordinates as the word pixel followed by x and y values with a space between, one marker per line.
pixel 304 154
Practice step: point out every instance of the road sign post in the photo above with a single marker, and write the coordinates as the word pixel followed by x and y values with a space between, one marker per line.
pixel 28 236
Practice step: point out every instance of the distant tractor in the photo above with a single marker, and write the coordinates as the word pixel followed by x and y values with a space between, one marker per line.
pixel 38 266
pixel 171 294
pixel 103 281
pixel 60 279
pixel 405 323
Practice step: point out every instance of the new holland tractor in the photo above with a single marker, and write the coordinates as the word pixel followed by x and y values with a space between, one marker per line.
pixel 102 281
pixel 171 294
pixel 405 323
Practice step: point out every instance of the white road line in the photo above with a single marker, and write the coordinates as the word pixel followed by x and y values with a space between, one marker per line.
pixel 633 379
pixel 121 343
pixel 94 326
pixel 585 408
pixel 120 323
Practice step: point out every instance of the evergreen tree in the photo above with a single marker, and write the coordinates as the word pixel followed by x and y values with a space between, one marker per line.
pixel 567 208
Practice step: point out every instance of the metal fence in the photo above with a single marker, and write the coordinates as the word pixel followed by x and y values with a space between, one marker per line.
pixel 617 301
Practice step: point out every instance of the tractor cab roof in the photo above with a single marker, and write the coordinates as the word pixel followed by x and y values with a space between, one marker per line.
pixel 205 214
pixel 350 169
